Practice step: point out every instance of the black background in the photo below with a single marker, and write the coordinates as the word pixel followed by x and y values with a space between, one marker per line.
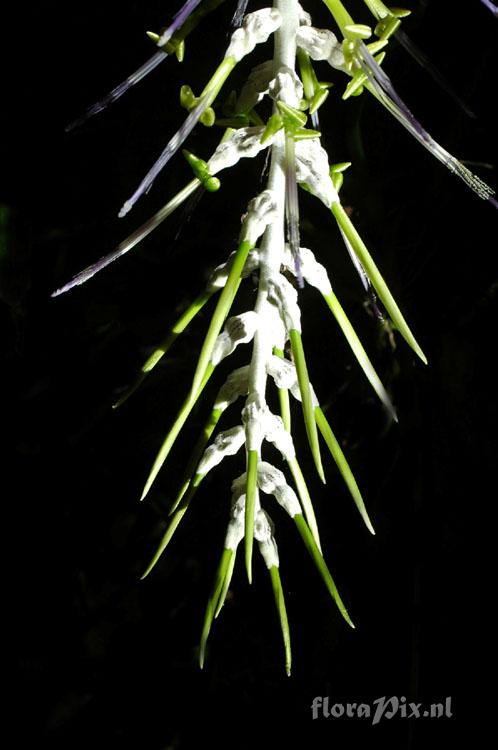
pixel 104 660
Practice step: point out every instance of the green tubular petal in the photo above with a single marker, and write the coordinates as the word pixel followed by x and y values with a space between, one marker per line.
pixel 321 565
pixel 375 277
pixel 304 496
pixel 359 352
pixel 282 613
pixel 342 465
pixel 213 601
pixel 221 312
pixel 196 456
pixel 339 13
pixel 226 583
pixel 169 441
pixel 251 491
pixel 181 324
pixel 359 78
pixel 306 400
pixel 283 397
pixel 317 101
pixel 308 76
pixel 172 527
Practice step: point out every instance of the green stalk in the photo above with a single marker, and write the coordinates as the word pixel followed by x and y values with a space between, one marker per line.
pixel 308 77
pixel 213 601
pixel 342 465
pixel 340 14
pixel 181 324
pixel 359 352
pixel 306 400
pixel 168 534
pixel 321 565
pixel 196 456
pixel 180 420
pixel 282 613
pixel 304 496
pixel 251 493
pixel 221 312
pixel 226 583
pixel 373 273
pixel 283 397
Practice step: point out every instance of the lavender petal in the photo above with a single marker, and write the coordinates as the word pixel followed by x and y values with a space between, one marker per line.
pixel 239 14
pixel 170 150
pixel 178 20
pixel 383 89
pixel 422 59
pixel 491 6
pixel 137 236
pixel 119 90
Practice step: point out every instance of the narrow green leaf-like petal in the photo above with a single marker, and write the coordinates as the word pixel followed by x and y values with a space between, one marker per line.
pixel 321 565
pixel 169 441
pixel 306 400
pixel 375 277
pixel 282 613
pixel 165 345
pixel 339 13
pixel 172 527
pixel 283 397
pixel 221 312
pixel 342 465
pixel 359 352
pixel 251 492
pixel 214 601
pixel 196 456
pixel 226 584
pixel 304 496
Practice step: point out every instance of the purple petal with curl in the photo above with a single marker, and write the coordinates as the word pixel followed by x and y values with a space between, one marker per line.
pixel 422 59
pixel 170 150
pixel 239 14
pixel 491 6
pixel 119 90
pixel 137 236
pixel 178 20
pixel 387 95
pixel 144 70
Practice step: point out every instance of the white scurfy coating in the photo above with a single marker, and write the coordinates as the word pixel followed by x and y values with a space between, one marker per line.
pixel 282 294
pixel 233 387
pixel 226 443
pixel 244 143
pixel 304 16
pixel 312 168
pixel 255 415
pixel 286 87
pixel 256 28
pixel 238 330
pixel 279 437
pixel 321 44
pixel 235 528
pixel 255 87
pixel 219 276
pixel 272 481
pixel 261 211
pixel 263 533
pixel 284 374
pixel 312 271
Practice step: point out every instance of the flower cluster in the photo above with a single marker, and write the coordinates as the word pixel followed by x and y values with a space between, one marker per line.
pixel 269 247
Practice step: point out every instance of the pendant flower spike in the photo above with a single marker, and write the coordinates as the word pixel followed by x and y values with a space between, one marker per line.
pixel 269 246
